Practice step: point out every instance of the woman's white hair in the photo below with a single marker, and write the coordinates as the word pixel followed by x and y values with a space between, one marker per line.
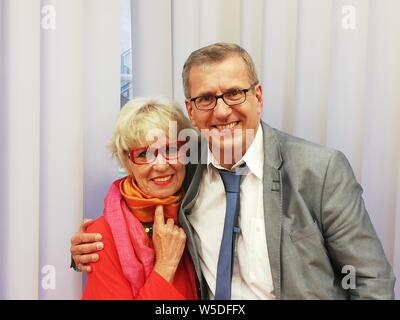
pixel 138 118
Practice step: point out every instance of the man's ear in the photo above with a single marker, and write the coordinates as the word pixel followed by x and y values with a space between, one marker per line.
pixel 189 109
pixel 258 92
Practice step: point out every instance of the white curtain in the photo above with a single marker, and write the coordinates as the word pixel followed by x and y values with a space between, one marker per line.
pixel 59 98
pixel 330 71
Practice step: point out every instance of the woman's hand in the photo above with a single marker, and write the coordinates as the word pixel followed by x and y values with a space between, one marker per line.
pixel 169 243
pixel 84 245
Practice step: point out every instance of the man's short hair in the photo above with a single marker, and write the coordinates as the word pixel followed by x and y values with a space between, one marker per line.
pixel 214 53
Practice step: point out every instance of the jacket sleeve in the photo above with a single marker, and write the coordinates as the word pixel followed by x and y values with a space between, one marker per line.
pixel 351 240
pixel 157 288
pixel 106 281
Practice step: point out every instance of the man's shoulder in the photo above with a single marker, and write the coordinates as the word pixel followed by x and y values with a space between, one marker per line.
pixel 293 147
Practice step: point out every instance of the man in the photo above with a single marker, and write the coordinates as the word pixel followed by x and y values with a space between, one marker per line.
pixel 302 232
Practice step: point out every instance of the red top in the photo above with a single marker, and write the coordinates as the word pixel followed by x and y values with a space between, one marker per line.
pixel 106 281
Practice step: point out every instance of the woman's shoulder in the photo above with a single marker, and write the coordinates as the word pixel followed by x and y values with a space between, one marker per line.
pixel 108 254
pixel 107 280
pixel 99 225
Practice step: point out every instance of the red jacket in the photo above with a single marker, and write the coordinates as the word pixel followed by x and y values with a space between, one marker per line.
pixel 107 281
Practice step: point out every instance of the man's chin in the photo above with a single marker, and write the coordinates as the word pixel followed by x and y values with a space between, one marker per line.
pixel 227 151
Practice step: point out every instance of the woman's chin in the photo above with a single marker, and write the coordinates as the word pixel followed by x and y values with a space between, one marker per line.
pixel 162 192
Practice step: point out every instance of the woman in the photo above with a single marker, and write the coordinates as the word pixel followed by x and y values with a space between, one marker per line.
pixel 144 254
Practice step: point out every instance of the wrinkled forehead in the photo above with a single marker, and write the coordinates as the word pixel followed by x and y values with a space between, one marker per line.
pixel 223 75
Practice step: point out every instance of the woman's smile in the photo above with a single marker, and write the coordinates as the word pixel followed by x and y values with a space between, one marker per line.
pixel 162 180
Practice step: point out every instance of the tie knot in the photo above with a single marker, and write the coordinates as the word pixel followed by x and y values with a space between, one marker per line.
pixel 231 181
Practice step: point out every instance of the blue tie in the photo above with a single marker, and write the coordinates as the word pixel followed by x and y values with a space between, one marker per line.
pixel 224 270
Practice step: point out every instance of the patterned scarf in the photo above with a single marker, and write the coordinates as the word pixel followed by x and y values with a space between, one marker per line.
pixel 143 206
pixel 134 247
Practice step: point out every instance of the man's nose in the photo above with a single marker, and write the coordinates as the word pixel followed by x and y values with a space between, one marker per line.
pixel 222 110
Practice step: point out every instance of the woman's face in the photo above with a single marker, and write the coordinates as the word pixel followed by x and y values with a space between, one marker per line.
pixel 160 178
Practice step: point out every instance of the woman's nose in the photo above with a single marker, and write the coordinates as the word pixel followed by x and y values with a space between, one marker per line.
pixel 160 163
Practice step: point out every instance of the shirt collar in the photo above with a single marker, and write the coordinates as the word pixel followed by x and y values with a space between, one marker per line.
pixel 253 157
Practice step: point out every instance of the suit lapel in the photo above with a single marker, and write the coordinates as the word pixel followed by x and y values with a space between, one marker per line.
pixel 272 181
pixel 191 186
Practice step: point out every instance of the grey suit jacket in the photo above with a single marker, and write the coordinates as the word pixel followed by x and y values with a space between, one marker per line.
pixel 315 222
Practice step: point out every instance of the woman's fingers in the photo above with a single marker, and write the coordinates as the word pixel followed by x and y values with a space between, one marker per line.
pixel 158 217
pixel 182 234
pixel 168 230
pixel 169 243
pixel 170 225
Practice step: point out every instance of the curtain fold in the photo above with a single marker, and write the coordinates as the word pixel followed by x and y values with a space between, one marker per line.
pixel 312 69
pixel 20 104
pixel 61 179
pixel 59 76
pixel 251 27
pixel 185 39
pixel 348 83
pixel 380 148
pixel 102 25
pixel 151 47
pixel 278 62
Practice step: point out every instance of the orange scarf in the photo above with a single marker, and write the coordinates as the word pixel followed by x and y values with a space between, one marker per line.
pixel 143 206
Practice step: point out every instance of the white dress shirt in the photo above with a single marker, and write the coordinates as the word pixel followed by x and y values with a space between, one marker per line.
pixel 251 276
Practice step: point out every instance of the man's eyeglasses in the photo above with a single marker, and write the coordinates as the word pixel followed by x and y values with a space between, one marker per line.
pixel 231 98
pixel 145 155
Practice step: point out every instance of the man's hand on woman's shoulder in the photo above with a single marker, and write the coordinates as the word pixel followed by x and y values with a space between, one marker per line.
pixel 84 246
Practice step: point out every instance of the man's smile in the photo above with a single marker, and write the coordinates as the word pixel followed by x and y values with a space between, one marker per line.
pixel 230 125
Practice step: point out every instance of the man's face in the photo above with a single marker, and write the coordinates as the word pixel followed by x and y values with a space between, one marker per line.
pixel 229 127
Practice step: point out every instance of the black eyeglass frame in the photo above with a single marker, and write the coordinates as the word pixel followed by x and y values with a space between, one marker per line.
pixel 221 96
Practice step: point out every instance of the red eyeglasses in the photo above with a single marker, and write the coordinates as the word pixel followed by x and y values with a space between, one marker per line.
pixel 145 155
